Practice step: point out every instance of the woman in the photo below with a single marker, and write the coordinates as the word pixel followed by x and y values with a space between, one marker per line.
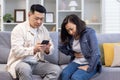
pixel 81 44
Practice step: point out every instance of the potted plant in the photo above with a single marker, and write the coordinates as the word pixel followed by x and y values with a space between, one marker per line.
pixel 7 17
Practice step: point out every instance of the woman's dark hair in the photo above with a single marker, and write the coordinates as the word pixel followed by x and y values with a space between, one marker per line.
pixel 80 25
pixel 38 8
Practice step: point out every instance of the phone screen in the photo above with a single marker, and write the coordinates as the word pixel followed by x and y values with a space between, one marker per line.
pixel 45 42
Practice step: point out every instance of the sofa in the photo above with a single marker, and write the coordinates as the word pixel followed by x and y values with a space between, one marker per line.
pixel 108 73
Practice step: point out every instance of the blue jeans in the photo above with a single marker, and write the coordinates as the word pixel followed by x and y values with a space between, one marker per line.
pixel 71 72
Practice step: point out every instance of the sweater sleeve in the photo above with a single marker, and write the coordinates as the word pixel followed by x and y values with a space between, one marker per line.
pixel 65 49
pixel 18 42
pixel 95 52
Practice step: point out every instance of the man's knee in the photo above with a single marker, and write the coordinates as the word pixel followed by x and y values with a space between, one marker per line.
pixel 54 73
pixel 56 70
pixel 23 68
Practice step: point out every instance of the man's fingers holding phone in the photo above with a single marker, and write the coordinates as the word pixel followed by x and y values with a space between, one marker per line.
pixel 45 42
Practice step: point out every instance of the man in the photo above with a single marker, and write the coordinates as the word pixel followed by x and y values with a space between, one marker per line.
pixel 27 53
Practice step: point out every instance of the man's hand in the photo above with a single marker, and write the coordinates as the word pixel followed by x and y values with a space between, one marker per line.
pixel 42 48
pixel 47 50
pixel 38 48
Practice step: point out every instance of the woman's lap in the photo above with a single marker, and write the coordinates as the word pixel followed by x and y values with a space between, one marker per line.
pixel 71 72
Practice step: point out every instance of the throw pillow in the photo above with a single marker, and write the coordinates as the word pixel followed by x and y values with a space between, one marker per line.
pixel 116 59
pixel 109 52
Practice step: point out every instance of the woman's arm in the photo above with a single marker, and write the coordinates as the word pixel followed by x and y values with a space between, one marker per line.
pixel 95 52
pixel 66 49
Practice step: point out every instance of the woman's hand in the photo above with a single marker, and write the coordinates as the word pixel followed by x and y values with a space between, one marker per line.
pixel 78 55
pixel 84 67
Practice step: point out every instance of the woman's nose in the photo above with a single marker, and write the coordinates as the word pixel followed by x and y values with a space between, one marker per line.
pixel 70 32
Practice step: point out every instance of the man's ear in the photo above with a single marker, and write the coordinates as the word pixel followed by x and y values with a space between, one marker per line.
pixel 29 14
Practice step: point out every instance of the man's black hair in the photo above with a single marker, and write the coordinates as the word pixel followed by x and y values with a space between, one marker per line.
pixel 38 8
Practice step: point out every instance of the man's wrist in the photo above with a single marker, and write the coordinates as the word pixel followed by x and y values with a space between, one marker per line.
pixel 35 51
pixel 47 51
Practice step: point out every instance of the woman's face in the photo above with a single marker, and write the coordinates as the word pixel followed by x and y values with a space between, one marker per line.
pixel 71 28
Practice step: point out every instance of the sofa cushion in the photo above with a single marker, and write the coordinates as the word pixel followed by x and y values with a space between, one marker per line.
pixel 3 67
pixel 54 57
pixel 107 38
pixel 109 53
pixel 4 75
pixel 63 59
pixel 116 59
pixel 4 46
pixel 108 73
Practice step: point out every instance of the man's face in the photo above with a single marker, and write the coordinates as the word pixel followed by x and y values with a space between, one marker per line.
pixel 36 19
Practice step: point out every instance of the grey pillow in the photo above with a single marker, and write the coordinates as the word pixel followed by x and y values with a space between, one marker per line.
pixel 4 52
pixel 4 46
pixel 54 57
pixel 116 59
pixel 63 59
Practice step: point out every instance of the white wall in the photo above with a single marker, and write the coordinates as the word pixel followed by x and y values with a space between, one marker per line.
pixel 111 16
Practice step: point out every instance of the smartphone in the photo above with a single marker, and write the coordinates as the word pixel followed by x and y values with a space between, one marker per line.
pixel 45 42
